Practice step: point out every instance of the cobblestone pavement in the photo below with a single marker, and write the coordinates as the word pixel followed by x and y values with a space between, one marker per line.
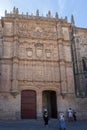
pixel 39 125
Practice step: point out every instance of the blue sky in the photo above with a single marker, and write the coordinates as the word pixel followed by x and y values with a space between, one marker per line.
pixel 64 8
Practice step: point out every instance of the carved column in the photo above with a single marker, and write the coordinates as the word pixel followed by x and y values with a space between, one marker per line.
pixel 14 75
pixel 62 69
pixel 15 62
pixel 63 80
pixel 39 105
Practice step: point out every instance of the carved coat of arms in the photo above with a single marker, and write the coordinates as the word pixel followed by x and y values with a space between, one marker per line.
pixel 39 50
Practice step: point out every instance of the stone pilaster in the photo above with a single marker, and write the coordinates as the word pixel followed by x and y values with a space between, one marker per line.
pixel 15 66
pixel 62 68
pixel 39 105
pixel 14 75
pixel 63 78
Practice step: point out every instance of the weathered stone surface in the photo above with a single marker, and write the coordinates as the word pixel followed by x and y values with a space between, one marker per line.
pixel 36 54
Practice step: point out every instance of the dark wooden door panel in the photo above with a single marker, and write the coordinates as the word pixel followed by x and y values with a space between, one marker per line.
pixel 28 100
pixel 26 93
pixel 28 107
pixel 28 104
pixel 28 115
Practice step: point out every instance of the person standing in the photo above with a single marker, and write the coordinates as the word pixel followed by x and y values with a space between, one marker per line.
pixel 62 123
pixel 45 117
pixel 70 114
pixel 74 116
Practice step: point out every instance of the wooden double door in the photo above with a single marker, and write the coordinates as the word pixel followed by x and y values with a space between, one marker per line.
pixel 28 104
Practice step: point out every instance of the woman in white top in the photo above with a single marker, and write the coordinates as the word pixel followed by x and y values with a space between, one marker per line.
pixel 70 114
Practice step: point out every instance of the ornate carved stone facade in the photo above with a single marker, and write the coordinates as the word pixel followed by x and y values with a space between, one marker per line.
pixel 43 60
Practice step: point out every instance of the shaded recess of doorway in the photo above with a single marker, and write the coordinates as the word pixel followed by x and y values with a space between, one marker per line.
pixel 28 104
pixel 49 101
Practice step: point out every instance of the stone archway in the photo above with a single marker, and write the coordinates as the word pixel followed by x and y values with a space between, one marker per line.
pixel 49 101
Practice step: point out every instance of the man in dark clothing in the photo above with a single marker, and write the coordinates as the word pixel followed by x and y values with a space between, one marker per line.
pixel 74 116
pixel 45 117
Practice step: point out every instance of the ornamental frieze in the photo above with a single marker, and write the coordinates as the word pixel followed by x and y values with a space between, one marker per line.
pixel 37 50
pixel 35 31
pixel 83 39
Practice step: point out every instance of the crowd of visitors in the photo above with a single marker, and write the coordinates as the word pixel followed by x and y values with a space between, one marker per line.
pixel 71 116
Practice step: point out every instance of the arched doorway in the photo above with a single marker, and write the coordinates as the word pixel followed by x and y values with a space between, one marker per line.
pixel 28 104
pixel 49 101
